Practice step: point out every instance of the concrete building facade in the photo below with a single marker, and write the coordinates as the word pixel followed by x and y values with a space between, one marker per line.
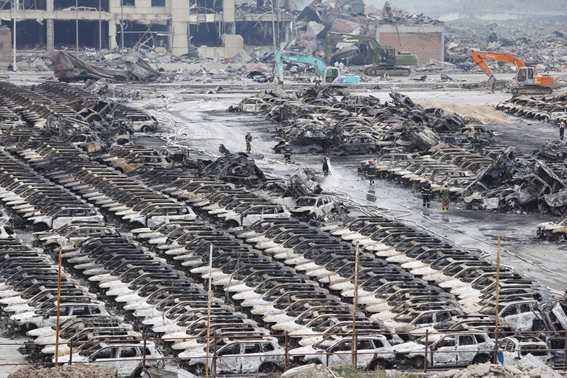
pixel 172 24
pixel 427 41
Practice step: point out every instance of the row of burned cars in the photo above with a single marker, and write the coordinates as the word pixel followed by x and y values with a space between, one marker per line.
pixel 316 122
pixel 272 276
pixel 411 143
pixel 141 239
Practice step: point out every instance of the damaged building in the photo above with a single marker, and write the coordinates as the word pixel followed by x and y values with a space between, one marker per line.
pixel 172 25
pixel 216 29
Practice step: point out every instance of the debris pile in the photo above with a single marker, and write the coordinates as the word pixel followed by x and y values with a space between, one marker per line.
pixel 69 68
pixel 237 168
pixel 539 40
pixel 498 371
pixel 76 370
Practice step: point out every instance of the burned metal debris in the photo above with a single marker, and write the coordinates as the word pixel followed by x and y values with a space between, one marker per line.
pixel 69 68
pixel 237 168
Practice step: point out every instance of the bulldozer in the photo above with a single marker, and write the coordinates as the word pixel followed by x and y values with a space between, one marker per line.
pixel 527 82
pixel 384 59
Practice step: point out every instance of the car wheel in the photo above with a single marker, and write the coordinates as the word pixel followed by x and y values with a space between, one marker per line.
pixel 146 129
pixel 481 359
pixel 198 369
pixel 379 364
pixel 269 367
pixel 417 362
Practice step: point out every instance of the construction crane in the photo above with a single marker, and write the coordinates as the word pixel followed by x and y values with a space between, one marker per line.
pixel 527 82
pixel 385 60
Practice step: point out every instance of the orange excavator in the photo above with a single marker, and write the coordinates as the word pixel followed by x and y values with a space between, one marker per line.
pixel 526 79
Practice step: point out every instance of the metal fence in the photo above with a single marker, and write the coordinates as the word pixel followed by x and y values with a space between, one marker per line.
pixel 284 357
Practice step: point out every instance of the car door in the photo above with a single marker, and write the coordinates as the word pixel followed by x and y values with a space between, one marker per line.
pixel 130 357
pixel 228 359
pixel 251 215
pixel 106 358
pixel 467 348
pixel 75 237
pixel 444 352
pixel 252 357
pixel 339 354
pixel 156 217
pixel 365 351
pixel 62 218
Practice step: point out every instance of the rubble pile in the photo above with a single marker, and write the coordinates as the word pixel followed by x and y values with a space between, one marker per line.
pixel 535 39
pixel 488 370
pixel 345 17
pixel 237 168
pixel 76 370
pixel 68 68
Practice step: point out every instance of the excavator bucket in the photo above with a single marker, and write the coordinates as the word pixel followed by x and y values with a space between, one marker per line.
pixel 490 83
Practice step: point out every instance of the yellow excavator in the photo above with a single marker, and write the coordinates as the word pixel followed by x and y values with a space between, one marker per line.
pixel 527 82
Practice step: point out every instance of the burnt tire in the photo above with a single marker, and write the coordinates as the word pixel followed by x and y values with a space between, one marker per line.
pixel 418 362
pixel 269 367
pixel 481 359
pixel 197 369
pixel 146 129
pixel 379 365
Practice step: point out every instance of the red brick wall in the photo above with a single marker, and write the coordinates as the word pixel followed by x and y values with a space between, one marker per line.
pixel 425 45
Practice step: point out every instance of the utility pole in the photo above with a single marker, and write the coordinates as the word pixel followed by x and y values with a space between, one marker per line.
pixel 14 32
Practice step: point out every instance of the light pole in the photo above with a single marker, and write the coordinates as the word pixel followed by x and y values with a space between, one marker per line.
pixel 99 26
pixel 77 25
pixel 122 23
pixel 14 32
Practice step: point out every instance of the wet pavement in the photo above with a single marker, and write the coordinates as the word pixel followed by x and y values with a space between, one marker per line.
pixel 203 124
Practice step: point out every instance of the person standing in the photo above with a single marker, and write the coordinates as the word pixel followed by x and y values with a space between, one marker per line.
pixel 445 196
pixel 371 171
pixel 287 153
pixel 341 68
pixel 426 192
pixel 325 162
pixel 248 139
pixel 561 129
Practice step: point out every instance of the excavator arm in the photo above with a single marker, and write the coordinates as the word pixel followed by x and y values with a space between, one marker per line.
pixel 306 59
pixel 481 57
pixel 526 79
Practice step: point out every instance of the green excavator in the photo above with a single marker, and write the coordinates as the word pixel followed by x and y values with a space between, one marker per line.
pixel 384 59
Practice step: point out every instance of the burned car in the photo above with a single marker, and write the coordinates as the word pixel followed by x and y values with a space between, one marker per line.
pixel 239 357
pixel 310 207
pixel 451 350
